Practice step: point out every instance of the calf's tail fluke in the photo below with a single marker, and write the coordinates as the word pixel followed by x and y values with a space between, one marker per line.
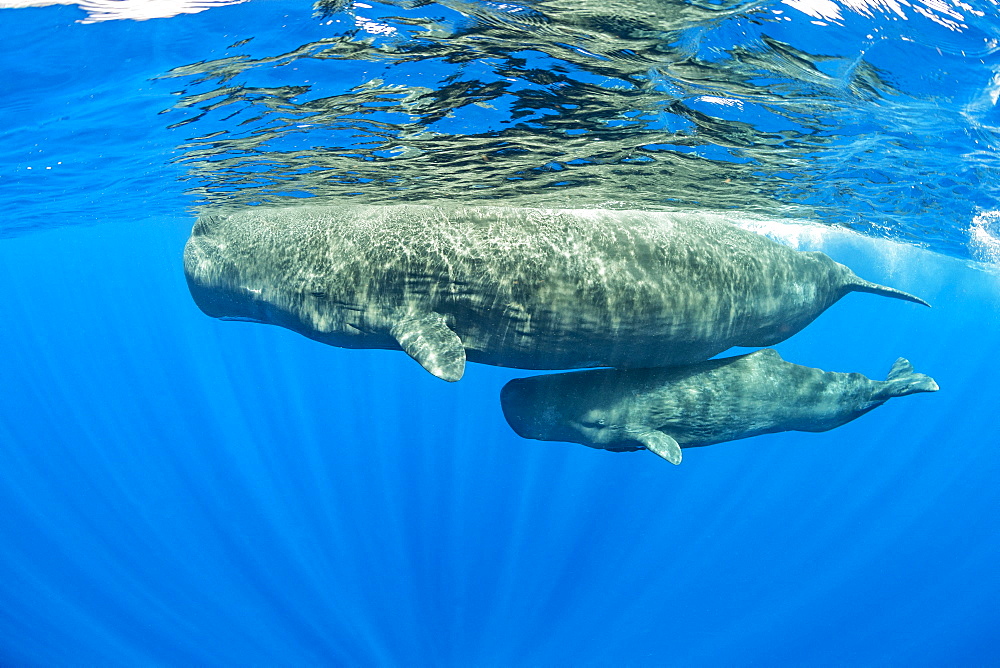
pixel 903 380
pixel 861 285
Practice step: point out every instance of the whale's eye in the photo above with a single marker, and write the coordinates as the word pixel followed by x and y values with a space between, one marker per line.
pixel 599 423
pixel 318 294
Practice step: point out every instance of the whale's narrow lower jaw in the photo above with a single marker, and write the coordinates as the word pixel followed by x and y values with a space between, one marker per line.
pixel 222 303
pixel 516 420
pixel 240 318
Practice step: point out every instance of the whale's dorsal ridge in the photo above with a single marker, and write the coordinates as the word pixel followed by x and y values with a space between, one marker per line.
pixel 428 339
pixel 769 354
pixel 661 444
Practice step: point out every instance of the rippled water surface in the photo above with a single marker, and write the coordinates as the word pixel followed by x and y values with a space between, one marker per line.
pixel 176 490
pixel 645 103
pixel 881 117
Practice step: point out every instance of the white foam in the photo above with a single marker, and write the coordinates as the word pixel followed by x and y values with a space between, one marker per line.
pixel 136 10
pixel 943 12
pixel 984 238
pixel 372 27
pixel 821 9
pixel 723 101
pixel 20 4
pixel 797 234
pixel 894 259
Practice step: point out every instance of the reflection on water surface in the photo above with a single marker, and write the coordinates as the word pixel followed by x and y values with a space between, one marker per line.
pixel 616 104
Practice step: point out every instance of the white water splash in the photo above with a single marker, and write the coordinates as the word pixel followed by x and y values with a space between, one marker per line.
pixel 798 235
pixel 984 237
pixel 894 259
pixel 136 10
pixel 947 13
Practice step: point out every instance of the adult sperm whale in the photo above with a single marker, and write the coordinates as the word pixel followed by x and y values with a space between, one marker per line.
pixel 664 410
pixel 524 288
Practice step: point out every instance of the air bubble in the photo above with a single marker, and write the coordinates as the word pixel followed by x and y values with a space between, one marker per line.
pixel 984 237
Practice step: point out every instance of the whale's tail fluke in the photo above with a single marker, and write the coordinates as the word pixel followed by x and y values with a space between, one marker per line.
pixel 861 285
pixel 902 380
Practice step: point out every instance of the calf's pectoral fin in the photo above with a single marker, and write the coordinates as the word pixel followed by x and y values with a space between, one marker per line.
pixel 428 339
pixel 663 445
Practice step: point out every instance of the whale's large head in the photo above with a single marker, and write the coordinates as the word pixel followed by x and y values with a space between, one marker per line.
pixel 573 407
pixel 215 275
pixel 275 266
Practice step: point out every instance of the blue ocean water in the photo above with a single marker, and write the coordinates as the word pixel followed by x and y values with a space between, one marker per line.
pixel 177 490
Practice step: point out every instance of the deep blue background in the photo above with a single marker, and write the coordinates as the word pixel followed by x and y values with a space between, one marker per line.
pixel 182 490
pixel 176 490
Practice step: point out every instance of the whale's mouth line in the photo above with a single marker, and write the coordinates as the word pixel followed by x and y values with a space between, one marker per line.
pixel 240 318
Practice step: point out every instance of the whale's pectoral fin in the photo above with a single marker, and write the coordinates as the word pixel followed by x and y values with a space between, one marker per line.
pixel 429 340
pixel 663 445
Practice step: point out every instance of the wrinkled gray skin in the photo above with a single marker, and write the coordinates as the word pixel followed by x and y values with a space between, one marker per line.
pixel 665 410
pixel 524 288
